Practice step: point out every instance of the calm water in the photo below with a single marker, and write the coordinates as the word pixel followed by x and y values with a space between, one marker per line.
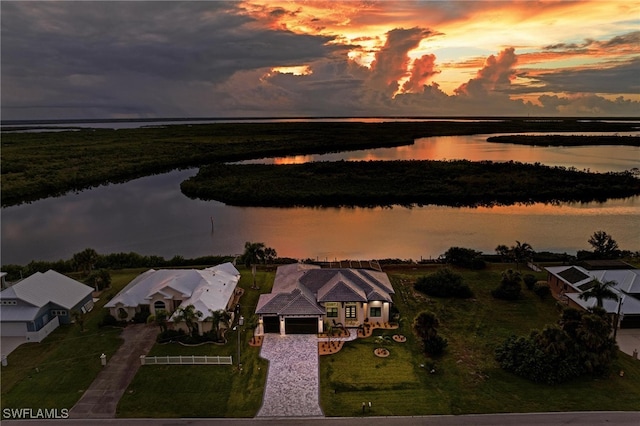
pixel 151 216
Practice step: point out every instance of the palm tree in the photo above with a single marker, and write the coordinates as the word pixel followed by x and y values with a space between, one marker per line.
pixel 426 325
pixel 253 252
pixel 85 260
pixel 190 316
pixel 78 317
pixel 219 316
pixel 601 291
pixel 161 319
pixel 521 252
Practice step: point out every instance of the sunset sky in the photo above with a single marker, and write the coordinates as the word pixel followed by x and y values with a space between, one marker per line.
pixel 90 60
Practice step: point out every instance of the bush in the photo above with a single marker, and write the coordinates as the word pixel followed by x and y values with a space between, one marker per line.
pixel 170 335
pixel 529 281
pixel 443 283
pixel 141 317
pixel 509 288
pixel 542 289
pixel 109 321
pixel 465 257
pixel 435 345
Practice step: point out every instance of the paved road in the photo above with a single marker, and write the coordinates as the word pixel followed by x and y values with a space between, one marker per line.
pixel 102 397
pixel 537 419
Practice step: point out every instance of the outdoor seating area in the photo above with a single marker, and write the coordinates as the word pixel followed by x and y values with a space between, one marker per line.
pixel 328 346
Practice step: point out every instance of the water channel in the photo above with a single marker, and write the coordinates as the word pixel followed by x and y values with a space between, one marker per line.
pixel 151 216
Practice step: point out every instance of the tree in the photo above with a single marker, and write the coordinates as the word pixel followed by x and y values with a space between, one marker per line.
pixel 600 290
pixel 465 257
pixel 504 252
pixel 161 319
pixel 521 253
pixel 253 253
pixel 425 325
pixel 217 317
pixel 190 316
pixel 78 317
pixel 85 260
pixel 443 283
pixel 99 280
pixel 604 246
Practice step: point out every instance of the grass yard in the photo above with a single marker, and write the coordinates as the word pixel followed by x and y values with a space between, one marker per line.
pixel 467 379
pixel 55 372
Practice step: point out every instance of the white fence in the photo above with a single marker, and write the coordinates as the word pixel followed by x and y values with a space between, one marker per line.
pixel 186 360
pixel 38 336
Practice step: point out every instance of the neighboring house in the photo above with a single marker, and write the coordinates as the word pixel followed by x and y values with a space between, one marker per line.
pixel 207 290
pixel 567 282
pixel 304 297
pixel 35 306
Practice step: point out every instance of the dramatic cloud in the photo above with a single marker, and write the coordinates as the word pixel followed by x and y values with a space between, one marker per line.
pixel 318 58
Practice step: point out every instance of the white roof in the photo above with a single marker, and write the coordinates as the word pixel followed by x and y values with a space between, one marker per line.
pixel 207 289
pixel 627 280
pixel 630 305
pixel 40 289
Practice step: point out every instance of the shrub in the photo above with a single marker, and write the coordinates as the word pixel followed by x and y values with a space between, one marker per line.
pixel 108 321
pixel 529 281
pixel 443 283
pixel 141 317
pixel 435 345
pixel 509 288
pixel 170 335
pixel 542 289
pixel 465 257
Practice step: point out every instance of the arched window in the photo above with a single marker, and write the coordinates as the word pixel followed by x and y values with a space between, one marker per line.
pixel 159 305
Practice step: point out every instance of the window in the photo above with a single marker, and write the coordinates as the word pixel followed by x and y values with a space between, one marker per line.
pixel 159 305
pixel 58 312
pixel 350 311
pixel 332 309
pixel 375 311
pixel 88 306
pixel 9 302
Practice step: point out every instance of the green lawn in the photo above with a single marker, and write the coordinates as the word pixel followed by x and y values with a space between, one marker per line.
pixel 466 380
pixel 55 372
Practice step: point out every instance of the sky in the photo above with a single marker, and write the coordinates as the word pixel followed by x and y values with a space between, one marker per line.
pixel 272 58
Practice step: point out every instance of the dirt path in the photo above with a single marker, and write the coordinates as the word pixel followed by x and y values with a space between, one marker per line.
pixel 102 397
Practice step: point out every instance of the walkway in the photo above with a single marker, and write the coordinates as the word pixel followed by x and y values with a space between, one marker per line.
pixel 102 397
pixel 292 388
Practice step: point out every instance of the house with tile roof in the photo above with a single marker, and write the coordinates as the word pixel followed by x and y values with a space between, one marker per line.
pixel 568 282
pixel 208 290
pixel 306 297
pixel 37 305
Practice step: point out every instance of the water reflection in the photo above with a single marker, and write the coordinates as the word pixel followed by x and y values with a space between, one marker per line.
pixel 476 148
pixel 151 216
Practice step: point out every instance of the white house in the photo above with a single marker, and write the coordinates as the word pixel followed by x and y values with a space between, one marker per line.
pixel 35 306
pixel 209 289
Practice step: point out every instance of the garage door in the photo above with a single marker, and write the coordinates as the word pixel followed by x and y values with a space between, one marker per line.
pixel 13 329
pixel 301 325
pixel 271 324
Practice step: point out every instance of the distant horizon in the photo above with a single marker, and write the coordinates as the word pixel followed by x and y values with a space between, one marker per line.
pixel 248 118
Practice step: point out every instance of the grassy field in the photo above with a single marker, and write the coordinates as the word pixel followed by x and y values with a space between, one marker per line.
pixel 55 372
pixel 466 380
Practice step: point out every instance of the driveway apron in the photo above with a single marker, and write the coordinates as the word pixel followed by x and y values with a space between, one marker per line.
pixel 102 397
pixel 292 388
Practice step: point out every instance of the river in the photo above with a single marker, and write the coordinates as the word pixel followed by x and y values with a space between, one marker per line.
pixel 151 216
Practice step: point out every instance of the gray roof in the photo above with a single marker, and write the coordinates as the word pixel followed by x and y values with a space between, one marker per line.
pixel 37 291
pixel 299 288
pixel 40 289
pixel 626 280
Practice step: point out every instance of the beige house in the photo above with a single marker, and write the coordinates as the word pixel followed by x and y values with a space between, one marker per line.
pixel 207 290
pixel 305 297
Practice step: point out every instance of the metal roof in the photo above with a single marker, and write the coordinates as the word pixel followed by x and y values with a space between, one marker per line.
pixel 40 289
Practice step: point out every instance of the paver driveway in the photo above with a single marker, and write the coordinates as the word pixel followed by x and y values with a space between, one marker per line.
pixel 292 388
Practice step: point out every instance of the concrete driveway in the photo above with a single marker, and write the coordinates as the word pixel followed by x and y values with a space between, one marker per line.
pixel 293 384
pixel 9 343
pixel 628 340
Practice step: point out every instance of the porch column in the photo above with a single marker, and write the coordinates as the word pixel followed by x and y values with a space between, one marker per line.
pixel 320 325
pixel 260 331
pixel 385 312
pixel 282 329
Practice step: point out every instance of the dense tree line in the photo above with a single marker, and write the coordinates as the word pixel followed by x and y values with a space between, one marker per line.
pixel 565 140
pixel 46 164
pixel 384 183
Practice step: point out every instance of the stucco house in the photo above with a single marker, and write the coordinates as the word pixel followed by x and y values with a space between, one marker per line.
pixel 37 305
pixel 209 289
pixel 568 282
pixel 305 296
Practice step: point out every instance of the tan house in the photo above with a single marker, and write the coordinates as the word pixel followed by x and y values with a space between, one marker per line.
pixel 210 289
pixel 305 297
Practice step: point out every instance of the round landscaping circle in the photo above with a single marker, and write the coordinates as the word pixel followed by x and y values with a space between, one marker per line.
pixel 399 338
pixel 381 352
